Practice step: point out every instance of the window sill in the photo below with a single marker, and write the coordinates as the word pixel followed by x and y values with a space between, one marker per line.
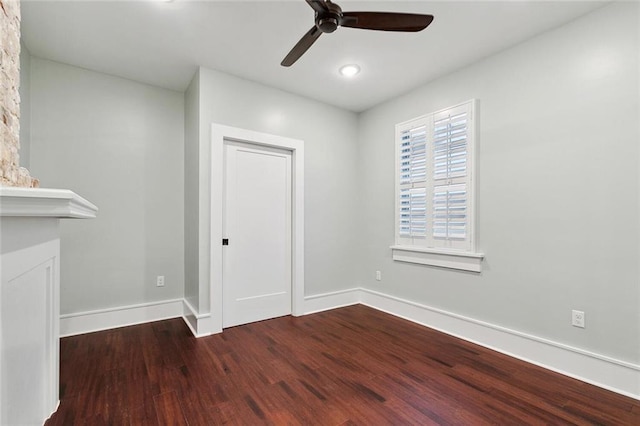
pixel 464 261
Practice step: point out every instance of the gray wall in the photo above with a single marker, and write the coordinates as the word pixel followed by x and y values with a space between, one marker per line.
pixel 25 106
pixel 558 187
pixel 331 187
pixel 119 144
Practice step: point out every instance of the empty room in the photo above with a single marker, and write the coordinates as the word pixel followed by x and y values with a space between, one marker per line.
pixel 320 213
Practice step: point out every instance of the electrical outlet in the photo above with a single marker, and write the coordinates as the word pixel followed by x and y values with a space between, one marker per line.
pixel 160 281
pixel 577 318
pixel 378 276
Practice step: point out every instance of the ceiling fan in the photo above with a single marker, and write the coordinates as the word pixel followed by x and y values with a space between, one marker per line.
pixel 329 16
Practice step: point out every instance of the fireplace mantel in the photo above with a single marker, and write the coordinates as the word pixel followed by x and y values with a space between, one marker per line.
pixel 30 298
pixel 44 202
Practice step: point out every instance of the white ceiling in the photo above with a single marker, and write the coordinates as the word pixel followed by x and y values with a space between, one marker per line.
pixel 164 43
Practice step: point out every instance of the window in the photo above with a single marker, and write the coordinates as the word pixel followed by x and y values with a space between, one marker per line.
pixel 435 222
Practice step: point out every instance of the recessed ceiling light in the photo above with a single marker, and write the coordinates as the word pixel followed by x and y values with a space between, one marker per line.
pixel 349 70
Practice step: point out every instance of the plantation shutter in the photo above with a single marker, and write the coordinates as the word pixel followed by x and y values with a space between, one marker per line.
pixel 434 190
pixel 450 178
pixel 412 178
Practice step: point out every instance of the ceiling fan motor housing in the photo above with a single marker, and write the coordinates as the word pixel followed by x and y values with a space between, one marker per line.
pixel 329 21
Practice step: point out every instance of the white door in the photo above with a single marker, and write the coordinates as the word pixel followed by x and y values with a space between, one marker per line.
pixel 257 228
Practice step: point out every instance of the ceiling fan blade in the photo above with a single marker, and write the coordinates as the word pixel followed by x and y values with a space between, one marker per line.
pixel 386 21
pixel 318 5
pixel 302 46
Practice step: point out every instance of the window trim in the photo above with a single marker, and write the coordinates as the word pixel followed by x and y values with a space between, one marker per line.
pixel 460 259
pixel 450 259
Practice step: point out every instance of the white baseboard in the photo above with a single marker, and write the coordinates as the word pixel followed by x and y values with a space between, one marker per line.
pixel 199 324
pixel 333 300
pixel 605 372
pixel 105 319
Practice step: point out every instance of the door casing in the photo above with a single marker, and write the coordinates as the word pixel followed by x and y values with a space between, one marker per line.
pixel 220 134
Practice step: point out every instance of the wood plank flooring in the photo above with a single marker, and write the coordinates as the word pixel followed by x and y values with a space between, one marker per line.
pixel 349 366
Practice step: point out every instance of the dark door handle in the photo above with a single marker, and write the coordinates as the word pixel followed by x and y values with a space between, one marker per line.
pixel 225 241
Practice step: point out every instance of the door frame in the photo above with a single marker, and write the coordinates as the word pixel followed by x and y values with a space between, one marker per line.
pixel 219 134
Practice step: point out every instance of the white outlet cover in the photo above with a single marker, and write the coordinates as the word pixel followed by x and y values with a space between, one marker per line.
pixel 577 318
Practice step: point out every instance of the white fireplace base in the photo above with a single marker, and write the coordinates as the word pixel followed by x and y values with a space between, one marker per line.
pixel 30 299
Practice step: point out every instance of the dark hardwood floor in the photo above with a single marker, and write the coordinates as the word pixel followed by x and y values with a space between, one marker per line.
pixel 348 366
